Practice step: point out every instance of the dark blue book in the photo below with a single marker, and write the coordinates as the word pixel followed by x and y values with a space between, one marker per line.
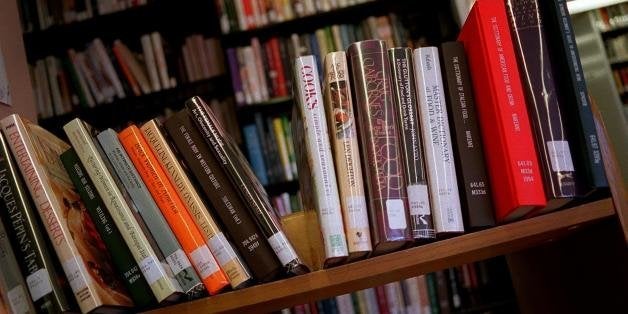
pixel 255 152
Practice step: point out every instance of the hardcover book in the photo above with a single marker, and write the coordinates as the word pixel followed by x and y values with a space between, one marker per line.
pixel 173 209
pixel 572 89
pixel 227 205
pixel 148 215
pixel 121 257
pixel 341 123
pixel 309 98
pixel 86 265
pixel 442 178
pixel 250 190
pixel 475 193
pixel 48 290
pixel 380 147
pixel 511 159
pixel 404 91
pixel 540 87
pixel 80 135
pixel 233 266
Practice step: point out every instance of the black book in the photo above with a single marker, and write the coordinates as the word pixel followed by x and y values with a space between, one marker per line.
pixel 477 207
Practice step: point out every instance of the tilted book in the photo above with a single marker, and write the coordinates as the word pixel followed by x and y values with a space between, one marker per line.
pixel 42 272
pixel 80 135
pixel 88 270
pixel 11 281
pixel 125 265
pixel 222 195
pixel 572 89
pixel 507 137
pixel 546 116
pixel 242 177
pixel 341 123
pixel 309 97
pixel 173 209
pixel 221 248
pixel 475 193
pixel 439 159
pixel 405 95
pixel 379 141
pixel 149 215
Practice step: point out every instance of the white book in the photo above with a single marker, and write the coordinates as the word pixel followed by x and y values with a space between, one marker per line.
pixel 394 297
pixel 371 300
pixel 242 23
pixel 81 79
pixel 88 73
pixel 411 288
pixel 259 65
pixel 160 59
pixel 151 65
pixel 110 72
pixel 325 188
pixel 55 91
pixel 344 304
pixel 442 180
pixel 252 74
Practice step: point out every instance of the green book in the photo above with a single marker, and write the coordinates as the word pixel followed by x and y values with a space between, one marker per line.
pixel 120 254
pixel 432 291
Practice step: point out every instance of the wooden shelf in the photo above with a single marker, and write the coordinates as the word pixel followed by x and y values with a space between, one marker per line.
pixel 403 264
pixel 277 105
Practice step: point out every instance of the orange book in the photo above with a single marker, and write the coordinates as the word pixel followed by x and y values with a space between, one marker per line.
pixel 125 69
pixel 173 209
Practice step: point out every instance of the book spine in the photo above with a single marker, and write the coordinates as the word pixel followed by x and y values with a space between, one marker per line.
pixel 255 152
pixel 173 209
pixel 150 62
pixel 378 130
pixel 150 215
pixel 61 218
pixel 11 281
pixel 236 81
pixel 341 123
pixel 238 170
pixel 160 59
pixel 438 152
pixel 574 89
pixel 468 154
pixel 311 107
pixel 227 205
pixel 119 251
pixel 222 250
pixel 35 260
pixel 403 87
pixel 546 116
pixel 282 147
pixel 79 135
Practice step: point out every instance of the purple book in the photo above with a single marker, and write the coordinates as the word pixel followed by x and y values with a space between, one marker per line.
pixel 235 76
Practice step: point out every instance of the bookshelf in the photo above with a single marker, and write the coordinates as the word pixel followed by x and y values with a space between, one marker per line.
pixel 402 264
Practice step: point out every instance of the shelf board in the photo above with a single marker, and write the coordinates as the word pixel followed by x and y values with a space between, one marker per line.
pixel 277 105
pixel 403 264
pixel 618 62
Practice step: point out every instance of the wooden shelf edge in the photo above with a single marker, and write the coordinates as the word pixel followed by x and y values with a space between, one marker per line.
pixel 403 264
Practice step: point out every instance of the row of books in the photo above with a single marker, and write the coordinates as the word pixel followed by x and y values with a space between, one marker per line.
pixel 621 79
pixel 261 71
pixel 240 15
pixel 483 285
pixel 41 14
pixel 270 148
pixel 434 135
pixel 101 74
pixel 129 223
pixel 286 203
pixel 617 48
pixel 611 17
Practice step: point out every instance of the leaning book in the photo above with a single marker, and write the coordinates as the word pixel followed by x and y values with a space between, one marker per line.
pixel 64 216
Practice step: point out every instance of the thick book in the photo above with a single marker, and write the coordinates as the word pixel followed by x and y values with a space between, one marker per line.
pixel 67 224
pixel 80 136
pixel 222 195
pixel 539 80
pixel 406 105
pixel 341 123
pixel 511 159
pixel 123 261
pixel 475 192
pixel 309 100
pixel 150 217
pixel 379 141
pixel 439 159
pixel 42 272
pixel 11 281
pixel 572 89
pixel 173 209
pixel 229 261
pixel 238 170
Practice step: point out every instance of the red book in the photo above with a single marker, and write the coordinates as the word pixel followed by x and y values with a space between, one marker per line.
pixel 509 147
pixel 382 302
pixel 272 65
pixel 276 56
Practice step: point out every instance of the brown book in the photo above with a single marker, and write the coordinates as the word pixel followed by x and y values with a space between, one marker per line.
pixel 378 128
pixel 477 207
pixel 227 205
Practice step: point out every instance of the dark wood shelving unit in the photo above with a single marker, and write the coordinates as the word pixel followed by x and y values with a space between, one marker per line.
pixel 614 31
pixel 277 105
